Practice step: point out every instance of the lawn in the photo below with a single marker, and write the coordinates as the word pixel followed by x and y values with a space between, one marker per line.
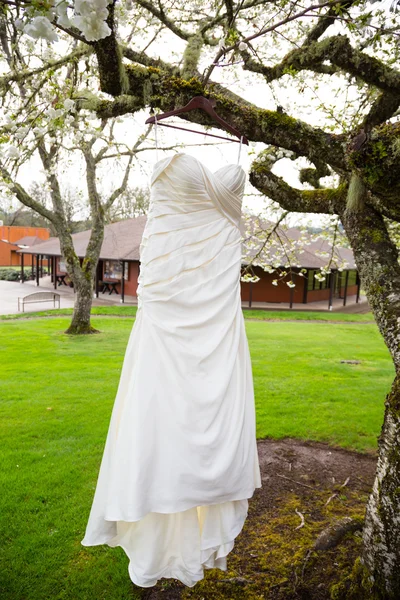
pixel 56 397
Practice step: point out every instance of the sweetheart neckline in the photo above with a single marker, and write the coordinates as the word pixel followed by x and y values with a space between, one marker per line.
pixel 199 161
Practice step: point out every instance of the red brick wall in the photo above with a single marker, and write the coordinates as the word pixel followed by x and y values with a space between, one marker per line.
pixel 13 233
pixel 131 284
pixel 264 291
pixel 5 253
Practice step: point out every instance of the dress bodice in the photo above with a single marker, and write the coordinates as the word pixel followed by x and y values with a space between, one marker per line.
pixel 185 179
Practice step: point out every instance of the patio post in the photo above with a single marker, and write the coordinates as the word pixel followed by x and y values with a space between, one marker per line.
pixel 37 269
pixel 305 289
pixel 345 288
pixel 22 268
pixel 331 288
pixel 291 294
pixel 122 300
pixel 96 280
pixel 358 283
pixel 250 294
pixel 54 269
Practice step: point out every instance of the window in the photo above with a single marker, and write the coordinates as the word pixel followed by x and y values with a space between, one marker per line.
pixel 113 270
pixel 352 278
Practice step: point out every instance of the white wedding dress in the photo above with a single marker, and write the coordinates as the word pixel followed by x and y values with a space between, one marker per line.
pixel 180 460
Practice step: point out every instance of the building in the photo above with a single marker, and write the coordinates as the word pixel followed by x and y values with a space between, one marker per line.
pixel 12 238
pixel 119 266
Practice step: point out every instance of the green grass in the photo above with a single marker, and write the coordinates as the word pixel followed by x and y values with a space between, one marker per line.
pixel 119 311
pixel 56 396
pixel 263 315
pixel 300 315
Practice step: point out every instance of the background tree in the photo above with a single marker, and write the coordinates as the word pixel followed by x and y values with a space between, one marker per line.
pixel 327 73
pixel 133 202
pixel 44 127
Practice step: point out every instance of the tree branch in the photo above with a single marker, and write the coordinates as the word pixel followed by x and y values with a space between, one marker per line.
pixel 112 75
pixel 382 109
pixel 323 201
pixel 161 16
pixel 25 198
pixel 339 51
pixel 156 88
pixel 22 76
pixel 325 21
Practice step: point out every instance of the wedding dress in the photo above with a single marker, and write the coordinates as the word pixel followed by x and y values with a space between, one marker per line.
pixel 180 460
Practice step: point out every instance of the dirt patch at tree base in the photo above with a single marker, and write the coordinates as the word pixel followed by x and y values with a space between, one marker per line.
pixel 274 556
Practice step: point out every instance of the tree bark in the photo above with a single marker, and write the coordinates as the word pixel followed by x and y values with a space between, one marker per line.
pixel 381 534
pixel 377 261
pixel 80 323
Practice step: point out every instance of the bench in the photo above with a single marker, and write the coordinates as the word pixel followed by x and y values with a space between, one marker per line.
pixel 39 297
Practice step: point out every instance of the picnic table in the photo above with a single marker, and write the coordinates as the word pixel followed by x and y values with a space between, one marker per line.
pixel 60 279
pixel 110 286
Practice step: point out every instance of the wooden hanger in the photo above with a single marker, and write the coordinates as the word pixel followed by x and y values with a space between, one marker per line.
pixel 208 106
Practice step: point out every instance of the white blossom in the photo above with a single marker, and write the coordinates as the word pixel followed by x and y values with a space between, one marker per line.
pixel 21 133
pixel 275 282
pixel 242 46
pixel 40 27
pixel 39 130
pixel 90 19
pixel 53 113
pixel 62 14
pixel 291 284
pixel 69 104
pixel 13 152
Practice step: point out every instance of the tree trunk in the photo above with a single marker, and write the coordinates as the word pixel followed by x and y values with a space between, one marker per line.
pixel 377 260
pixel 381 535
pixel 80 323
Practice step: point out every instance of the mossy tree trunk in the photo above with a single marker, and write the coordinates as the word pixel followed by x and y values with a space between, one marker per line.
pixel 83 277
pixel 377 260
pixel 80 323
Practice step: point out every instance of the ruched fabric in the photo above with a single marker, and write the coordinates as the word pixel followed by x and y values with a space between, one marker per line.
pixel 180 460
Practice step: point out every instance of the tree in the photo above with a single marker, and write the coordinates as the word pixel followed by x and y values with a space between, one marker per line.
pixel 45 125
pixel 305 57
pixel 133 202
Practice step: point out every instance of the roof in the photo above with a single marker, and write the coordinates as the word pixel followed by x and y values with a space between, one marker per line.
pixel 29 240
pixel 122 241
pixel 9 243
pixel 290 244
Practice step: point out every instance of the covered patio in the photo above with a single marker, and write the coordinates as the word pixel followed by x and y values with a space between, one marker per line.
pixel 117 272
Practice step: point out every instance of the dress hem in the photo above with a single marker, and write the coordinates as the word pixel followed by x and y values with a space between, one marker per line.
pixel 222 499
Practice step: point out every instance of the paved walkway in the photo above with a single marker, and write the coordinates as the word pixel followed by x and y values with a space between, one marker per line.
pixel 11 290
pixel 352 306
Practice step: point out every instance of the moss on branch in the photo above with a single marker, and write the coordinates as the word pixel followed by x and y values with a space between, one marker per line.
pixel 150 86
pixel 322 200
pixel 377 160
pixel 338 50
